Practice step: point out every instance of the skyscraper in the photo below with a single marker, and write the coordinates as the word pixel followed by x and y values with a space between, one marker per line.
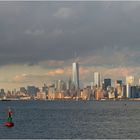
pixel 96 79
pixel 107 82
pixel 75 74
pixel 128 91
pixel 130 80
pixel 118 82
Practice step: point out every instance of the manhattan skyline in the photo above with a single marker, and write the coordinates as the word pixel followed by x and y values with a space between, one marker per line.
pixel 37 41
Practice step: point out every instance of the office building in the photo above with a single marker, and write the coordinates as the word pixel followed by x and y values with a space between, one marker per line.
pixel 75 75
pixel 97 79
pixel 69 84
pixel 128 91
pixel 124 91
pixel 32 90
pixel 45 88
pixel 118 83
pixel 106 83
pixel 41 95
pixel 134 92
pixel 23 90
pixel 51 93
pixel 130 80
pixel 111 92
pixel 99 94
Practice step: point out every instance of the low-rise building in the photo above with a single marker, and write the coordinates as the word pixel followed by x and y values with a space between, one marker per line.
pixel 41 95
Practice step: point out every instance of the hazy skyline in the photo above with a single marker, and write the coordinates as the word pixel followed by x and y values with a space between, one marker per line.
pixel 37 40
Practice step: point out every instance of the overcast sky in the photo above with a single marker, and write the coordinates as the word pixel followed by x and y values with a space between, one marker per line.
pixel 38 40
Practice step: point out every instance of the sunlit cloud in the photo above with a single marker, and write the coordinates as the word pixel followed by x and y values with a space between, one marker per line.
pixel 55 72
pixel 19 78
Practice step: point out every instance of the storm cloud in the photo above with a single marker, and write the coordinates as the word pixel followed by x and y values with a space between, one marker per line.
pixel 35 31
pixel 104 34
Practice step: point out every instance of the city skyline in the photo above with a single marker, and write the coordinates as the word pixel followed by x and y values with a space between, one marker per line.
pixel 38 38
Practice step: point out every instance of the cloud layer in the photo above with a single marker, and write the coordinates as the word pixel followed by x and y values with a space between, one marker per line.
pixel 44 35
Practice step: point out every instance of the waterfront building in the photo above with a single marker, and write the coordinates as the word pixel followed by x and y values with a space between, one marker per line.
pixel 119 91
pixel 97 79
pixel 21 94
pixel 138 90
pixel 32 90
pixel 130 80
pixel 118 83
pixel 25 98
pixel 118 88
pixel 45 88
pixel 51 93
pixel 23 90
pixel 85 93
pixel 63 86
pixel 59 85
pixel 75 75
pixel 59 95
pixel 2 93
pixel 128 91
pixel 124 91
pixel 91 84
pixel 41 95
pixel 139 81
pixel 134 92
pixel 69 84
pixel 106 83
pixel 111 92
pixel 99 93
pixel 55 84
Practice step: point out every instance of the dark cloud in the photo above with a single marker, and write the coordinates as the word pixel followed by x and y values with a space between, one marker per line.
pixel 31 32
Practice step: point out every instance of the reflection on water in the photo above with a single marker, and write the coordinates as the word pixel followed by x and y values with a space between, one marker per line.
pixel 71 119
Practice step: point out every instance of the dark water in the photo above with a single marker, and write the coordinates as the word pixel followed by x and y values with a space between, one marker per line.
pixel 71 119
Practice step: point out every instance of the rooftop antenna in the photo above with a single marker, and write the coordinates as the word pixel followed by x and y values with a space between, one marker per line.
pixel 75 56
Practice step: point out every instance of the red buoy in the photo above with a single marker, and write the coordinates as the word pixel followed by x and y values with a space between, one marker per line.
pixel 9 124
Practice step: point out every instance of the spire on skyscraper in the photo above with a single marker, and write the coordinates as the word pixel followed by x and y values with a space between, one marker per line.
pixel 75 71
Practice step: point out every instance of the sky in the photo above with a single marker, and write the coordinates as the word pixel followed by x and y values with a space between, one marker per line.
pixel 38 41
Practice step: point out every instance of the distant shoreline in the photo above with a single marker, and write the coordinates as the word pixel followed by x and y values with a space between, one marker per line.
pixel 131 99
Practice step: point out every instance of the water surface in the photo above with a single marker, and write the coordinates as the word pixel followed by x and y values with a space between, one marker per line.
pixel 71 119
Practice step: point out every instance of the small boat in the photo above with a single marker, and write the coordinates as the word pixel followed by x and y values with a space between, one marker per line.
pixel 9 122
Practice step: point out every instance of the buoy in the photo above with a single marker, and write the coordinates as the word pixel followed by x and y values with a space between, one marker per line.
pixel 9 122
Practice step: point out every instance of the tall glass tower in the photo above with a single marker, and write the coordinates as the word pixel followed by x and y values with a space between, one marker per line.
pixel 97 79
pixel 75 75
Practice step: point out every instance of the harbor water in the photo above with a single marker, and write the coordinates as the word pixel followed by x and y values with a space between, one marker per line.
pixel 71 119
